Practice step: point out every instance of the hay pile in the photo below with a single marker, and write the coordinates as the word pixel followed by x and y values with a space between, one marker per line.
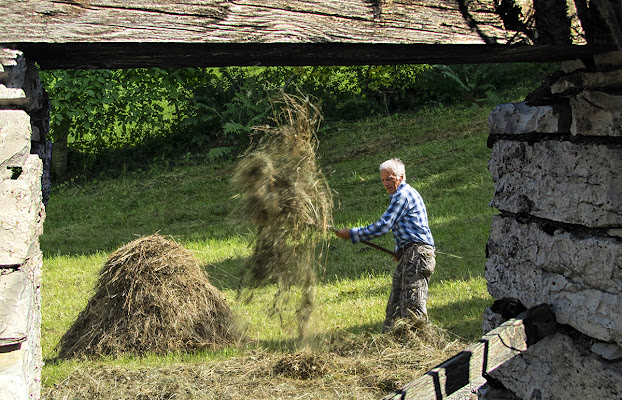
pixel 285 197
pixel 151 296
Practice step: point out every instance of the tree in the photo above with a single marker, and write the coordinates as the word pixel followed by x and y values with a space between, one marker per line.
pixel 94 109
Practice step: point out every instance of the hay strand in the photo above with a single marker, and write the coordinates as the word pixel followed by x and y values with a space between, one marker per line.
pixel 287 200
pixel 151 296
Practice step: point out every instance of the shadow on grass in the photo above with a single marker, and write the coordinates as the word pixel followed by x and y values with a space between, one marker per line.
pixel 327 340
pixel 462 318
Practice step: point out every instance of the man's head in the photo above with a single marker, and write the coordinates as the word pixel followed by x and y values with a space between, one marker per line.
pixel 392 173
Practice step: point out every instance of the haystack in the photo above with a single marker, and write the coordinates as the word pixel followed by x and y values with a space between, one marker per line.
pixel 151 296
pixel 286 198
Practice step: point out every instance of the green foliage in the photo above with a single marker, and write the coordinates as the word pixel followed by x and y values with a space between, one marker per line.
pixel 223 110
pixel 219 152
pixel 118 120
pixel 482 84
pixel 114 108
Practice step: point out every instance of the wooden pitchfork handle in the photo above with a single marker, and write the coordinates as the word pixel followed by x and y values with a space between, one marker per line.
pixel 370 244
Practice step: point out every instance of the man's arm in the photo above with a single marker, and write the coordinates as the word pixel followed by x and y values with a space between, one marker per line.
pixel 396 210
pixel 343 233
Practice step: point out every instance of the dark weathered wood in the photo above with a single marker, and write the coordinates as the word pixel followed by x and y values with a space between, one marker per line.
pixel 492 350
pixel 165 33
pixel 177 55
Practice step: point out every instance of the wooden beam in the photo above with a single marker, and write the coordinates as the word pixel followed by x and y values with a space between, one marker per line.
pixel 477 360
pixel 179 55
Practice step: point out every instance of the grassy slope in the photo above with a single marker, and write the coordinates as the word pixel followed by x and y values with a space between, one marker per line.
pixel 445 153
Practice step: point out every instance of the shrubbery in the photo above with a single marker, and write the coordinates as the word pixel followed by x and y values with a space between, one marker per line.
pixel 123 119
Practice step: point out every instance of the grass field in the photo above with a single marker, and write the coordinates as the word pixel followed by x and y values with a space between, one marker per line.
pixel 446 160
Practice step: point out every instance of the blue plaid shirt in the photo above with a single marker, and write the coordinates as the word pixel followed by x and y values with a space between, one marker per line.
pixel 406 217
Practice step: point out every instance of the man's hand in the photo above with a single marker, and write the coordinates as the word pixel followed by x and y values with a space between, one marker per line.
pixel 343 233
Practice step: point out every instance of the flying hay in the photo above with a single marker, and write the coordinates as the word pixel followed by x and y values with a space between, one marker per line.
pixel 285 197
pixel 151 296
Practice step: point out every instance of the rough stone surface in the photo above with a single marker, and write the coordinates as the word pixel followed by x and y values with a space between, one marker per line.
pixel 15 133
pixel 20 337
pixel 610 59
pixel 581 278
pixel 596 113
pixel 572 65
pixel 16 301
pixel 44 151
pixel 22 132
pixel 491 320
pixel 21 213
pixel 559 180
pixel 19 84
pixel 608 351
pixel 12 63
pixel 34 356
pixel 595 81
pixel 603 80
pixel 13 375
pixel 568 84
pixel 558 368
pixel 520 118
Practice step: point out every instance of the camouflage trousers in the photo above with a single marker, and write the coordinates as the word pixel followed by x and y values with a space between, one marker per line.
pixel 409 292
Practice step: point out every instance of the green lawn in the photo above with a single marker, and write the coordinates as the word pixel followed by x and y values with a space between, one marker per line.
pixel 446 159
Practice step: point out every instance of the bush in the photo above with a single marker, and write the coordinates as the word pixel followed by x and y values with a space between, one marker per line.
pixel 212 111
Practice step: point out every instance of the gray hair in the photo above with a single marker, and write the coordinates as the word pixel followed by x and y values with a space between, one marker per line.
pixel 396 165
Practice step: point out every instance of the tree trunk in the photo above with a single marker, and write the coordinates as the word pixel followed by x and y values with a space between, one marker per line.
pixel 59 154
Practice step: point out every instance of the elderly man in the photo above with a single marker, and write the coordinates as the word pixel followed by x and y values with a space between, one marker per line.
pixel 414 245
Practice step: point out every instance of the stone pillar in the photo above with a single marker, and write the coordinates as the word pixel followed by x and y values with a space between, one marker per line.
pixel 557 169
pixel 23 122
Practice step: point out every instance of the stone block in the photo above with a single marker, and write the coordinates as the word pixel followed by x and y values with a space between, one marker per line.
pixel 594 262
pixel 14 376
pixel 603 80
pixel 558 368
pixel 520 118
pixel 559 180
pixel 15 134
pixel 571 66
pixel 11 62
pixel 610 59
pixel 573 84
pixel 16 303
pixel 21 213
pixel 580 277
pixel 20 86
pixel 596 113
pixel 568 85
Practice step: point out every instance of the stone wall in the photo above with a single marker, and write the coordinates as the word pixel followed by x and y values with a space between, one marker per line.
pixel 557 168
pixel 24 156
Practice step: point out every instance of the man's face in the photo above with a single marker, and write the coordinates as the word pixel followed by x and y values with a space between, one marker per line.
pixel 390 181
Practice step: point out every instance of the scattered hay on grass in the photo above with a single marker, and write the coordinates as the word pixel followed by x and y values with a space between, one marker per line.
pixel 303 365
pixel 285 197
pixel 362 366
pixel 151 296
pixel 419 330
